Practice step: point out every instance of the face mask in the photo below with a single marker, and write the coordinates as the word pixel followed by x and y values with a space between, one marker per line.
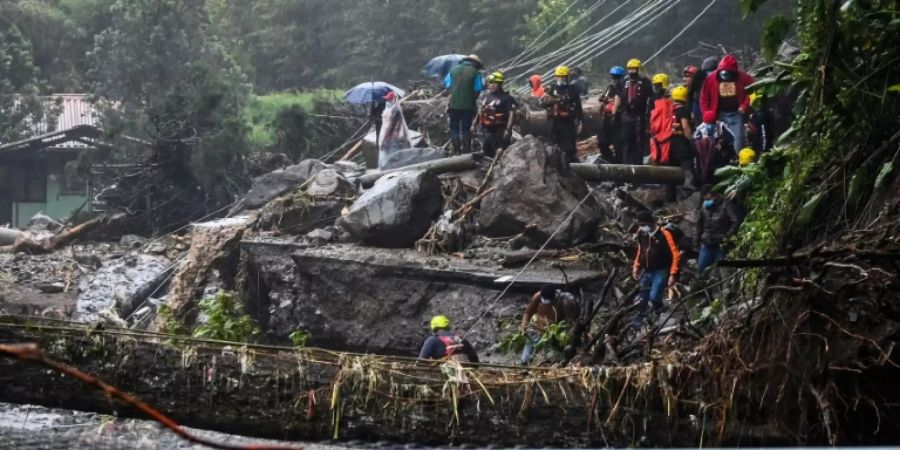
pixel 561 82
pixel 633 75
pixel 645 228
pixel 708 204
pixel 546 301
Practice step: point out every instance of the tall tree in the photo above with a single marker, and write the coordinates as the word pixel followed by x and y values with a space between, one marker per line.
pixel 20 104
pixel 163 74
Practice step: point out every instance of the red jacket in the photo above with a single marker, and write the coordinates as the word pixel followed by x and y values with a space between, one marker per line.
pixel 709 96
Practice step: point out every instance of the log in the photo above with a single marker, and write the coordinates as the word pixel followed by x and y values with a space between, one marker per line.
pixel 623 173
pixel 9 236
pixel 444 165
pixel 536 122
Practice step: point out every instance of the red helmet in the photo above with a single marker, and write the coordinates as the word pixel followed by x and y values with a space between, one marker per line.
pixel 690 71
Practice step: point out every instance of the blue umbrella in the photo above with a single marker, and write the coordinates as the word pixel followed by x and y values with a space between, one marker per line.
pixel 439 66
pixel 370 92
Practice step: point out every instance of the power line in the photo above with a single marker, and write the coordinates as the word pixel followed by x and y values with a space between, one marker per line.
pixel 678 35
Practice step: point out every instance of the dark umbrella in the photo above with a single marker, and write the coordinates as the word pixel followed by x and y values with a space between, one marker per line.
pixel 439 66
pixel 371 91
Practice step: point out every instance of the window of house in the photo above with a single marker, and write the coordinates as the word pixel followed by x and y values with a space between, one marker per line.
pixel 29 182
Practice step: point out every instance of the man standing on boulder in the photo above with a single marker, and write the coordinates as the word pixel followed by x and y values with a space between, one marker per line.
pixel 656 262
pixel 564 109
pixel 444 344
pixel 636 103
pixel 497 115
pixel 725 93
pixel 465 84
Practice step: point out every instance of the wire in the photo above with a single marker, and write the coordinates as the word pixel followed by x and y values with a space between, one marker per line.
pixel 534 257
pixel 678 35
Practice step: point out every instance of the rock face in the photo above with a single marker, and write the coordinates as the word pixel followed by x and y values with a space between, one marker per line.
pixel 377 300
pixel 269 186
pixel 396 211
pixel 532 188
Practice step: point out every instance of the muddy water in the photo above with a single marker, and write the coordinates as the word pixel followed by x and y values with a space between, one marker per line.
pixel 35 427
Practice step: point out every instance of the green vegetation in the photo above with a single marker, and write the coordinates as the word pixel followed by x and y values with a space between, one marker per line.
pixel 554 340
pixel 300 338
pixel 263 111
pixel 224 320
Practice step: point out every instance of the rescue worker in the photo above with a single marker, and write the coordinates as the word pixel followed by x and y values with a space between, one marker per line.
pixel 660 126
pixel 376 109
pixel 688 74
pixel 718 220
pixel 725 94
pixel 636 94
pixel 660 84
pixel 760 124
pixel 465 84
pixel 496 116
pixel 537 89
pixel 696 86
pixel 564 109
pixel 444 344
pixel 543 310
pixel 656 263
pixel 611 101
pixel 580 82
pixel 682 133
pixel 746 157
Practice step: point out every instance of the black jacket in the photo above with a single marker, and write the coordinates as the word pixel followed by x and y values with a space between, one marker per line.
pixel 569 106
pixel 657 251
pixel 717 223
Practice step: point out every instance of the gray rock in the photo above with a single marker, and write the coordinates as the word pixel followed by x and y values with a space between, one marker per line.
pixel 131 241
pixel 396 211
pixel 42 222
pixel 267 187
pixel 51 288
pixel 534 188
pixel 330 183
pixel 320 236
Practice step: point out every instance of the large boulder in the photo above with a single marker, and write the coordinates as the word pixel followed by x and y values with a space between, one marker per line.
pixel 396 211
pixel 267 187
pixel 330 183
pixel 534 187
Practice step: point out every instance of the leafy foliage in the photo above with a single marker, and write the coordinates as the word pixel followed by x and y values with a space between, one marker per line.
pixel 775 30
pixel 20 104
pixel 300 338
pixel 554 339
pixel 224 320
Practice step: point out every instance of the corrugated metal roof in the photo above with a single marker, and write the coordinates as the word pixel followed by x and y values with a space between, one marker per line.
pixel 75 110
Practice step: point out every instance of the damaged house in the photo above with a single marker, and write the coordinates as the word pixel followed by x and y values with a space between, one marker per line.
pixel 33 172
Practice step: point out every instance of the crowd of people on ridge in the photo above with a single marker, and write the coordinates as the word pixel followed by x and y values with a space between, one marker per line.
pixel 707 121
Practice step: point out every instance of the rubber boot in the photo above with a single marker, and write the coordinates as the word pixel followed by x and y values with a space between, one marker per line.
pixel 467 145
pixel 454 145
pixel 690 180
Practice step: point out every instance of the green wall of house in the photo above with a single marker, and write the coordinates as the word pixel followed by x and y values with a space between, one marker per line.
pixel 58 205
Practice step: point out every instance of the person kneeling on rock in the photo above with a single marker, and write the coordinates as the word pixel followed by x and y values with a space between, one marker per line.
pixel 545 308
pixel 444 344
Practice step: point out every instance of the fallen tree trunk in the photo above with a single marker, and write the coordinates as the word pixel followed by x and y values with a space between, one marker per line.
pixel 444 165
pixel 622 173
pixel 317 394
pixel 9 236
pixel 24 243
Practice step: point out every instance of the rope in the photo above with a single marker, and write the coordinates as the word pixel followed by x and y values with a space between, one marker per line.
pixel 534 257
pixel 678 35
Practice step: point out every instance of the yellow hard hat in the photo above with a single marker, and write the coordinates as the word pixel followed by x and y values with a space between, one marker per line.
pixel 680 94
pixel 746 156
pixel 440 321
pixel 561 71
pixel 496 77
pixel 662 79
pixel 755 98
pixel 633 63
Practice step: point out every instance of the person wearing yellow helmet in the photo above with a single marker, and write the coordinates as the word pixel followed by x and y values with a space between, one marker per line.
pixel 746 156
pixel 496 116
pixel 563 103
pixel 444 344
pixel 637 103
pixel 682 133
pixel 660 84
pixel 760 123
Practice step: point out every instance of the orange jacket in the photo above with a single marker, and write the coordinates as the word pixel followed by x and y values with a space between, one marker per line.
pixel 661 119
pixel 656 255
